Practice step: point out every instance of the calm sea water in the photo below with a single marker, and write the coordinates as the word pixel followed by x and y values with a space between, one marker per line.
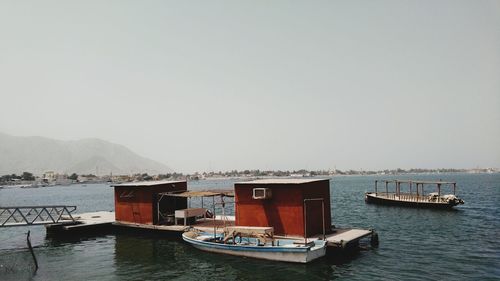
pixel 414 244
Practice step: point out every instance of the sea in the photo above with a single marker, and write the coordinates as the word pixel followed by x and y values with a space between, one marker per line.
pixel 415 244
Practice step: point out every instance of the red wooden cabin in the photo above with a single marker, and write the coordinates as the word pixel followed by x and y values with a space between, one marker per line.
pixel 137 202
pixel 288 205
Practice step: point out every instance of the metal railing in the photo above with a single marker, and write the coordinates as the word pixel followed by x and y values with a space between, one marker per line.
pixel 35 215
pixel 410 197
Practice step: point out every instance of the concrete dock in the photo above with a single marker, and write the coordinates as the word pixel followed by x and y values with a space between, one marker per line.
pixel 94 221
pixel 347 237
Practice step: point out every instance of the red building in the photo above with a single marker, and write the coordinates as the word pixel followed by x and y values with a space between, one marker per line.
pixel 294 207
pixel 138 202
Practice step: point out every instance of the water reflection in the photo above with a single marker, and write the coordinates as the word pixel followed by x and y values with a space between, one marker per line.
pixel 139 257
pixel 16 265
pixel 414 244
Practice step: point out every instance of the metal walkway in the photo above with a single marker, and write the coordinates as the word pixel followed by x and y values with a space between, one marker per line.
pixel 35 215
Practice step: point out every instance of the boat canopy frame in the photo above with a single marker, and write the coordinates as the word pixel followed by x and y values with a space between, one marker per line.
pixel 418 184
pixel 196 193
pixel 199 193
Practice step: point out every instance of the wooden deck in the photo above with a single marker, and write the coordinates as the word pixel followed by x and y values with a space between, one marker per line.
pixel 206 225
pixel 407 197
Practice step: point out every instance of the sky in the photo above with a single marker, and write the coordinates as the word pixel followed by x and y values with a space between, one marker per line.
pixel 283 85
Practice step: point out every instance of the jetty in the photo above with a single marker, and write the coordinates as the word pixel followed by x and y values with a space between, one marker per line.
pixel 297 209
pixel 104 222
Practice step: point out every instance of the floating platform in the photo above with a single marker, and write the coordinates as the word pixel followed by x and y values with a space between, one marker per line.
pixel 340 238
pixel 349 237
pixel 344 238
pixel 83 223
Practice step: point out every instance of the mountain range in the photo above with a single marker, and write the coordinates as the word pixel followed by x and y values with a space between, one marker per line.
pixel 86 156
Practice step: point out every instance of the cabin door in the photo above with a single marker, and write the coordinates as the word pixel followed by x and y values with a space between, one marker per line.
pixel 161 214
pixel 314 217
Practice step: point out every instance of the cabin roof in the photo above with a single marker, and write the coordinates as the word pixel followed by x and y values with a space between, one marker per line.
pixel 200 193
pixel 281 181
pixel 145 183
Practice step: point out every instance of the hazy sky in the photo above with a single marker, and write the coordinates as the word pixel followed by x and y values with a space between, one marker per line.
pixel 221 85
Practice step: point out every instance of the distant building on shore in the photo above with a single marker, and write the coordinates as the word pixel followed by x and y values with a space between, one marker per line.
pixel 49 177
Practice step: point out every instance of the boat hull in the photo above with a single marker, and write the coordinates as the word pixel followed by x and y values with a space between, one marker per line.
pixel 276 253
pixel 373 199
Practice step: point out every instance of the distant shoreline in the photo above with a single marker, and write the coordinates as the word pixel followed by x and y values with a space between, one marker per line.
pixel 217 177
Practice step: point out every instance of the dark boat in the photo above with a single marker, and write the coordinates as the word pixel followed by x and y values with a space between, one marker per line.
pixel 414 198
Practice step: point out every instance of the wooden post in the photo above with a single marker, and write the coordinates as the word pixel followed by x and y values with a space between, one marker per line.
pixel 28 241
pixel 375 188
pixel 158 209
pixel 439 192
pixel 305 223
pixel 215 227
pixel 223 209
pixel 386 189
pixel 454 188
pixel 323 215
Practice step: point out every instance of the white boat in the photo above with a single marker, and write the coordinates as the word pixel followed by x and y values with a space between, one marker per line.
pixel 255 242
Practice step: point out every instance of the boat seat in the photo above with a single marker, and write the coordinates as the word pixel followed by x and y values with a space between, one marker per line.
pixel 205 237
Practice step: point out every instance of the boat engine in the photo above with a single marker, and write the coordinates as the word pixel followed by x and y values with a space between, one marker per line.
pixel 452 199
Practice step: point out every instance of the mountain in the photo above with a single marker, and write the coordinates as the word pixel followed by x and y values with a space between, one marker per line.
pixel 87 156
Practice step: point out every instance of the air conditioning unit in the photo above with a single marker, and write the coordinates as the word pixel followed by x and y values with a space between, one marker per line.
pixel 262 193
